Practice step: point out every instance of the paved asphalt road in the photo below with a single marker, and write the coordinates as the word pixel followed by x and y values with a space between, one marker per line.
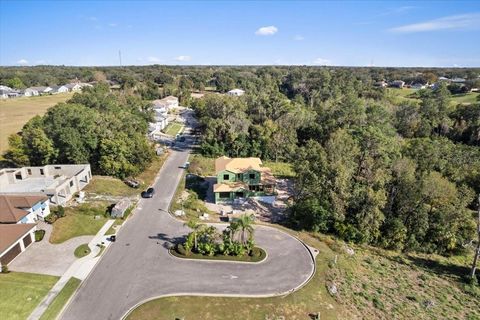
pixel 138 266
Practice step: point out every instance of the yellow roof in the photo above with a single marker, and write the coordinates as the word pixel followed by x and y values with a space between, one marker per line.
pixel 237 165
pixel 228 187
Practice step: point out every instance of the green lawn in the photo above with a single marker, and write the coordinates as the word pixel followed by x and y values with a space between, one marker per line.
pixel 104 185
pixel 467 98
pixel 79 221
pixel 61 299
pixel 14 113
pixel 20 293
pixel 82 250
pixel 173 128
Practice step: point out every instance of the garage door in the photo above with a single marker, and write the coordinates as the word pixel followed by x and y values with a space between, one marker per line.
pixel 27 240
pixel 11 254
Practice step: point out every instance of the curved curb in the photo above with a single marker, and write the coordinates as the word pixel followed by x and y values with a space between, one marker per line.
pixel 220 260
pixel 183 294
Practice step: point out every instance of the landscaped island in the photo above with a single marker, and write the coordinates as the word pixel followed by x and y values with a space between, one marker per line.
pixel 235 243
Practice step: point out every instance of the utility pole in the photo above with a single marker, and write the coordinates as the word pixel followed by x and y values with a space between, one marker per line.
pixel 120 57
pixel 477 250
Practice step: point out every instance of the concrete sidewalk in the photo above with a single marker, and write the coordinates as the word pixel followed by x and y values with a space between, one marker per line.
pixel 79 269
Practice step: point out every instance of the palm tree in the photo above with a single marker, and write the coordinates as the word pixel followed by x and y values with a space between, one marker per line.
pixel 232 230
pixel 245 225
pixel 196 227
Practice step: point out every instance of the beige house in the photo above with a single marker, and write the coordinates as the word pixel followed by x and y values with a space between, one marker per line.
pixel 167 103
pixel 58 182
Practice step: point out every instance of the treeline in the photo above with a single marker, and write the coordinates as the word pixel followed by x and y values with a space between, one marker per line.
pixel 223 78
pixel 107 130
pixel 370 171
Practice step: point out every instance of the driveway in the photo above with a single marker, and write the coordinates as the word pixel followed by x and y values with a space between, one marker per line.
pixel 47 258
pixel 138 266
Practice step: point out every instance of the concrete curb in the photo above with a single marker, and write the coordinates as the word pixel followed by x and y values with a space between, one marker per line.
pixel 219 260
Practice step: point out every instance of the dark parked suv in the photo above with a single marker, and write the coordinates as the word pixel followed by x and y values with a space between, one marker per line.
pixel 148 193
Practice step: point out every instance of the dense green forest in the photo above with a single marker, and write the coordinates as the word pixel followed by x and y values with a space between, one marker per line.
pixel 401 175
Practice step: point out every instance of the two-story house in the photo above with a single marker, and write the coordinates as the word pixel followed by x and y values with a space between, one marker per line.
pixel 242 178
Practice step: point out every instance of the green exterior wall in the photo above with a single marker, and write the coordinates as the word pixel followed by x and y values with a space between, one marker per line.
pixel 244 177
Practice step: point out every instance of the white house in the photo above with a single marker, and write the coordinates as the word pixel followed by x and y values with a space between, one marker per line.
pixel 444 79
pixel 41 90
pixel 3 94
pixel 458 80
pixel 168 103
pixel 2 87
pixel 58 89
pixel 236 92
pixel 30 92
pixel 58 182
pixel 74 87
pixel 29 208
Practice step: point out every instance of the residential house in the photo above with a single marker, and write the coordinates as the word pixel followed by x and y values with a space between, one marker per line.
pixel 30 92
pixel 2 87
pixel 4 94
pixel 74 87
pixel 242 178
pixel 236 92
pixel 41 90
pixel 168 103
pixel 458 80
pixel 419 86
pixel 18 208
pixel 397 84
pixel 14 239
pixel 58 182
pixel 444 79
pixel 381 84
pixel 58 89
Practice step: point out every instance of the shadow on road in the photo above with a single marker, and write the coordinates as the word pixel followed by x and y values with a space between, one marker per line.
pixel 168 240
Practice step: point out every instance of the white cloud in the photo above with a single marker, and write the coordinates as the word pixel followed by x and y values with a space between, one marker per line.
pixel 113 25
pixel 153 59
pixel 322 61
pixel 183 58
pixel 22 61
pixel 266 31
pixel 457 22
pixel 298 38
pixel 92 18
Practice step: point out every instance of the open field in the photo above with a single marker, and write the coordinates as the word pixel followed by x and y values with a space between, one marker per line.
pixel 14 113
pixel 21 292
pixel 57 304
pixel 403 95
pixel 173 128
pixel 79 221
pixel 104 185
pixel 467 98
pixel 372 284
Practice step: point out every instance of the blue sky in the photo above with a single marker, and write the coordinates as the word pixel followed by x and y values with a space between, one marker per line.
pixel 236 33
